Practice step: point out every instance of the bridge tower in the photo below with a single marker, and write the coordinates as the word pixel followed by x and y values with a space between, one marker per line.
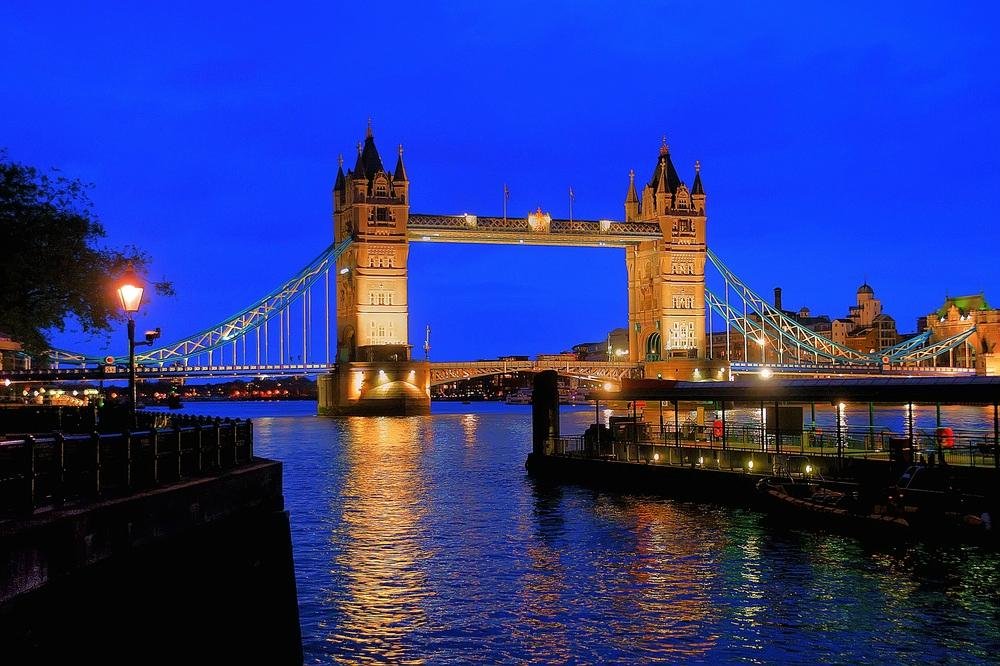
pixel 666 277
pixel 375 373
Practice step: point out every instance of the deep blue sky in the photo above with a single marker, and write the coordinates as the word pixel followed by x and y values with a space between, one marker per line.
pixel 839 142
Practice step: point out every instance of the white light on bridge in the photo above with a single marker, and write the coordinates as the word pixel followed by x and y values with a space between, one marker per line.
pixel 608 386
pixel 345 271
pixel 766 373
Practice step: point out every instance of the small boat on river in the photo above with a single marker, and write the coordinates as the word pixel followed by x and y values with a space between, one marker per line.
pixel 920 503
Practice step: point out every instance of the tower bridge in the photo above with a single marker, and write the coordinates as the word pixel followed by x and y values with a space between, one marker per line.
pixel 363 358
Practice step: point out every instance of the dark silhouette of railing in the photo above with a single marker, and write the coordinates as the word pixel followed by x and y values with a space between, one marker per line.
pixel 41 471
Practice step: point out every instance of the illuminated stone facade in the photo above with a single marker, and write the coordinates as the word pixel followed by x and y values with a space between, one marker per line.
pixel 958 314
pixel 372 205
pixel 666 277
pixel 375 373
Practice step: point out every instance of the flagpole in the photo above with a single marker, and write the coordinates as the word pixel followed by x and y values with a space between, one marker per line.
pixel 506 195
pixel 571 203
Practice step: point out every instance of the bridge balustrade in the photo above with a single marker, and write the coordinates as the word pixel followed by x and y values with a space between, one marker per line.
pixel 53 470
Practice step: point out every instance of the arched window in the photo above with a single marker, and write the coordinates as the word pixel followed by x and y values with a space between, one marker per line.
pixel 653 347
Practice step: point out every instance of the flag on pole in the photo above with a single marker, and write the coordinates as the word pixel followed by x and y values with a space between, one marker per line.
pixel 506 192
pixel 571 195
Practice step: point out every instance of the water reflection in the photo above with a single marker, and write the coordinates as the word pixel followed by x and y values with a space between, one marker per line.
pixel 380 555
pixel 422 539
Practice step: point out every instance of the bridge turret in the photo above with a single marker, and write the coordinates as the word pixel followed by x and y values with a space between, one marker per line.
pixel 667 276
pixel 359 183
pixel 400 183
pixel 631 199
pixel 375 373
pixel 698 190
pixel 663 194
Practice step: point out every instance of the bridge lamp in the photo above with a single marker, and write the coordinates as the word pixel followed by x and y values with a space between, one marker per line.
pixel 345 271
pixel 130 294
pixel 766 373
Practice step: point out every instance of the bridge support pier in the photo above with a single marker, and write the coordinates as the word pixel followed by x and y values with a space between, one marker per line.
pixel 378 388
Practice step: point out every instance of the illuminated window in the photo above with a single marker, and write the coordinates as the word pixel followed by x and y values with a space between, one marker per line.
pixel 683 302
pixel 681 335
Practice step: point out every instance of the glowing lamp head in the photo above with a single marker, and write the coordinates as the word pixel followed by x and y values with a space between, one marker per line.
pixel 750 464
pixel 656 457
pixel 809 469
pixel 766 373
pixel 608 386
pixel 130 296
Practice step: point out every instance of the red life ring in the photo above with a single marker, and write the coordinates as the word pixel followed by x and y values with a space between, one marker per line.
pixel 946 436
pixel 717 429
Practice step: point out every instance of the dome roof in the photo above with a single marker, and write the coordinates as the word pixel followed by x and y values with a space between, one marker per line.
pixel 865 289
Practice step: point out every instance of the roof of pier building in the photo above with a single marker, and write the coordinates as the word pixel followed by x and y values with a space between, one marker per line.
pixel 892 390
pixel 965 304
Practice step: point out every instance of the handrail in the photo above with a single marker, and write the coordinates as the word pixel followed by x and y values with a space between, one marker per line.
pixel 50 470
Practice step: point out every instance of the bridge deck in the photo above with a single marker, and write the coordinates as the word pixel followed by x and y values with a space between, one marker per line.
pixel 517 231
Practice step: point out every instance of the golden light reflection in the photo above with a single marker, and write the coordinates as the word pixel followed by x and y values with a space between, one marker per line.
pixel 470 424
pixel 381 557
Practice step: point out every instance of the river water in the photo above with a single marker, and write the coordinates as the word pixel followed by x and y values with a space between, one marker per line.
pixel 421 539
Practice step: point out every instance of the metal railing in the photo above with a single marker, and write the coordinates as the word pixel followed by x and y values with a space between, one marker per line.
pixel 964 447
pixel 53 470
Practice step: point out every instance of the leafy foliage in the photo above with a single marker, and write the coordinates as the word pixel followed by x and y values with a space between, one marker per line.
pixel 52 268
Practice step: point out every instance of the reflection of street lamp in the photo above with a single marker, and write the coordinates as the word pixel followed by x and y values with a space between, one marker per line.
pixel 130 294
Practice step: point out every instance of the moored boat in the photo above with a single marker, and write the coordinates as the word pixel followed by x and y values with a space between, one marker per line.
pixel 904 508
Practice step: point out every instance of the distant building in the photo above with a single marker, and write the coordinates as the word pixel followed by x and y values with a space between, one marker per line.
pixel 615 348
pixel 865 329
pixel 958 314
pixel 11 357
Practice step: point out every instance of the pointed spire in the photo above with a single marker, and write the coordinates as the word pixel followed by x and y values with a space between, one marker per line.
pixel 372 163
pixel 664 148
pixel 369 133
pixel 696 187
pixel 400 174
pixel 340 183
pixel 661 181
pixel 631 196
pixel 359 165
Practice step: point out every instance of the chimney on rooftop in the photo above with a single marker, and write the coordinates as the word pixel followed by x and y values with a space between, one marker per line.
pixel 777 298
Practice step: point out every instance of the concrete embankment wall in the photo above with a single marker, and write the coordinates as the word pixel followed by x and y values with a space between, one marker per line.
pixel 194 572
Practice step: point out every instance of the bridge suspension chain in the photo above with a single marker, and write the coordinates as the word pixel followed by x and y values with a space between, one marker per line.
pixel 787 328
pixel 213 341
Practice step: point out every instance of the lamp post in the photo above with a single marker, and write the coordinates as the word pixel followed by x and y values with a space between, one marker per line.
pixel 761 341
pixel 130 294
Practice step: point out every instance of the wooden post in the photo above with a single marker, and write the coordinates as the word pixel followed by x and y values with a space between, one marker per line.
pixel 724 434
pixel 155 437
pixel 996 435
pixel 29 473
pixel 763 428
pixel 128 459
pixel 177 450
pixel 197 446
pixel 217 442
pixel 677 425
pixel 95 440
pixel 59 491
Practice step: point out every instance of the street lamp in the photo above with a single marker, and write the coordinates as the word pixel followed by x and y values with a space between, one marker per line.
pixel 130 294
pixel 761 341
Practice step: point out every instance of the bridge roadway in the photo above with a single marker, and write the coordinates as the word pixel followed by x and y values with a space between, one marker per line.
pixel 441 373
